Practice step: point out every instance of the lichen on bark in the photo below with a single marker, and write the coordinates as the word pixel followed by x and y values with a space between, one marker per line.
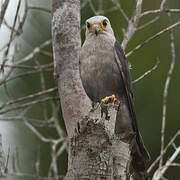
pixel 96 152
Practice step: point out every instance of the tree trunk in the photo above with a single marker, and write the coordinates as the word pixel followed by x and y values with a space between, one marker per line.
pixel 3 174
pixel 95 152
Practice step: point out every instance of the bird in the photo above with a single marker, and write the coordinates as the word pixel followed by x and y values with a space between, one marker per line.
pixel 104 72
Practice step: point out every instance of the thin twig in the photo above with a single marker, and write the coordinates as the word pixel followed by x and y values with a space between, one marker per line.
pixel 35 51
pixel 46 69
pixel 39 8
pixel 109 10
pixel 164 151
pixel 26 66
pixel 118 6
pixel 132 24
pixel 20 26
pixel 92 7
pixel 161 170
pixel 159 11
pixel 55 111
pixel 100 6
pixel 147 72
pixel 153 37
pixel 63 147
pixel 84 3
pixel 3 11
pixel 163 4
pixel 41 93
pixel 148 23
pixel 40 136
pixel 165 94
pixel 12 32
pixel 43 88
pixel 8 26
pixel 29 104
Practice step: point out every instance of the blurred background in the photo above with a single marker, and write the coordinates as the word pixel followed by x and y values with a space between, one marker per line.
pixel 31 122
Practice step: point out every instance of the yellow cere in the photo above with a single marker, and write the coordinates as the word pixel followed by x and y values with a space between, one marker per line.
pixel 96 25
pixel 100 26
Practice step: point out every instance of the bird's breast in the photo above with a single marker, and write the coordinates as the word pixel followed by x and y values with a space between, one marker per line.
pixel 99 73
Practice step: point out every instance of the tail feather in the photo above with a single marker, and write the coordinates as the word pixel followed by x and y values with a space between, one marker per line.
pixel 142 147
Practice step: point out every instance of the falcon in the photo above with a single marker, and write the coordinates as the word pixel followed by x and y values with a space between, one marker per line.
pixel 105 73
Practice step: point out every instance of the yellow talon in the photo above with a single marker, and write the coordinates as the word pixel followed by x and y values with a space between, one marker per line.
pixel 108 99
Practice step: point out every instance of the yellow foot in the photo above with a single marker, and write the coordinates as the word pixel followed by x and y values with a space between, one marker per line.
pixel 109 99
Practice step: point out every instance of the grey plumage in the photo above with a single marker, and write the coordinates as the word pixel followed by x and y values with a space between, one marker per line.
pixel 104 71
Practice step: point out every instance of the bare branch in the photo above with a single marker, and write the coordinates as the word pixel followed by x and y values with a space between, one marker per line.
pixel 3 11
pixel 20 26
pixel 34 52
pixel 63 147
pixel 132 25
pixel 40 136
pixel 46 68
pixel 100 6
pixel 5 73
pixel 28 97
pixel 39 8
pixel 165 150
pixel 25 105
pixel 161 170
pixel 159 11
pixel 153 37
pixel 147 72
pixel 148 23
pixel 163 5
pixel 84 3
pixel 24 66
pixel 165 94
pixel 55 112
pixel 118 6
pixel 12 31
pixel 92 7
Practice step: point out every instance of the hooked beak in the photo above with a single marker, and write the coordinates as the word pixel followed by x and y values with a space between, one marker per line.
pixel 96 30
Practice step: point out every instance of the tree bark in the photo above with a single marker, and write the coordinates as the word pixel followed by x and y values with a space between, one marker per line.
pixel 3 174
pixel 95 152
pixel 66 46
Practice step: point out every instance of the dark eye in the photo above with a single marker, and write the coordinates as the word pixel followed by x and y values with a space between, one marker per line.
pixel 104 23
pixel 88 25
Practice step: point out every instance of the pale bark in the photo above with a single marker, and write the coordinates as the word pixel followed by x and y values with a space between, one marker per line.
pixel 95 152
pixel 66 46
pixel 3 174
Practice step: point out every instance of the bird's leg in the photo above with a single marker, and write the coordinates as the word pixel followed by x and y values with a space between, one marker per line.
pixel 95 105
pixel 104 110
pixel 104 105
pixel 109 99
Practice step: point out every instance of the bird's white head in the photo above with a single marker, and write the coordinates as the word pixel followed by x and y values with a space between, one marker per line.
pixel 97 26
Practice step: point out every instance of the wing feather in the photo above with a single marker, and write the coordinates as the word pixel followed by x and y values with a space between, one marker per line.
pixel 126 77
